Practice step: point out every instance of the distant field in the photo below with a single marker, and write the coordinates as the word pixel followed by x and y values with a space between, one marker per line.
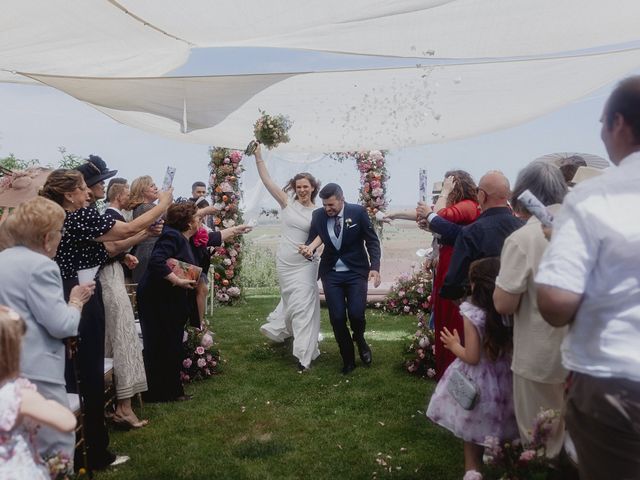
pixel 399 244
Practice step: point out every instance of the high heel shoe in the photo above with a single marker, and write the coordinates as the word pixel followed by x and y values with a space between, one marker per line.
pixel 127 423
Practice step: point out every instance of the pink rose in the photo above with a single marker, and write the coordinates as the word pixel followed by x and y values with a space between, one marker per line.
pixel 186 363
pixel 207 340
pixel 527 455
pixel 407 308
pixel 431 373
pixel 200 350
pixel 202 363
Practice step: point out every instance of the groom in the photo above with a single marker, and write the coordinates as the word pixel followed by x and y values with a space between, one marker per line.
pixel 345 230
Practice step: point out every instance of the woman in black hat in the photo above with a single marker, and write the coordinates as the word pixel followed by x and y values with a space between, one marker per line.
pixel 82 247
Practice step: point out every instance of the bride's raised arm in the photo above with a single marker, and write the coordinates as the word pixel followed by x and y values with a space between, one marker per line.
pixel 275 191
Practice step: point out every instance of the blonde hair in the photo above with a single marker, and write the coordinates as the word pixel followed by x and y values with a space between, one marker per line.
pixel 115 190
pixel 32 220
pixel 12 329
pixel 59 182
pixel 136 192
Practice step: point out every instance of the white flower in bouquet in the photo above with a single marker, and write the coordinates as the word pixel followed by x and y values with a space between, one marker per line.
pixel 228 223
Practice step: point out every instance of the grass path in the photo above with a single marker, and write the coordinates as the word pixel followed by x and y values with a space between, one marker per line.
pixel 260 419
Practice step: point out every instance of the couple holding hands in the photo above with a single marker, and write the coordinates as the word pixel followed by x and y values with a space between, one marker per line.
pixel 349 260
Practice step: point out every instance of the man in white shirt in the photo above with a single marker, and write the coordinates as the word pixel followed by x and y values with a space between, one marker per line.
pixel 589 279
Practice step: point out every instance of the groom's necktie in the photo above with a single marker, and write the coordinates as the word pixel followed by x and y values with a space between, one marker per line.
pixel 337 227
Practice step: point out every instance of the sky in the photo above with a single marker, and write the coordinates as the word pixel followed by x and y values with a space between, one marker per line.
pixel 35 121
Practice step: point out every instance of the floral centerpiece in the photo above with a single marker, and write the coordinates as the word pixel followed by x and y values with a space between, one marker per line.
pixel 226 194
pixel 517 461
pixel 270 130
pixel 373 182
pixel 201 358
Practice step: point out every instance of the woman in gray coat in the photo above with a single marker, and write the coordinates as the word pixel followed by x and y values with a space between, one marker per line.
pixel 30 283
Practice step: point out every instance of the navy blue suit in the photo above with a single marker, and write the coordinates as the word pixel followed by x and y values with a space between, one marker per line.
pixel 346 291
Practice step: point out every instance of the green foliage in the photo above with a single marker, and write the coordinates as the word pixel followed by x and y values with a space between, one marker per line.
pixel 260 419
pixel 69 160
pixel 13 163
pixel 259 267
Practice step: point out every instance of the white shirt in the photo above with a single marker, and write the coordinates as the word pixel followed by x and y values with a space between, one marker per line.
pixel 595 252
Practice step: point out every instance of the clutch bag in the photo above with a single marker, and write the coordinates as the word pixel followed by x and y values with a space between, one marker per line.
pixel 463 390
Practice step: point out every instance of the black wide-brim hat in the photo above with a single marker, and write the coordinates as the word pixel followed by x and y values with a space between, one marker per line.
pixel 95 170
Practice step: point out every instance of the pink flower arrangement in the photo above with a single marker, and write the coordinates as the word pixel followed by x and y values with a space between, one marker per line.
pixel 201 357
pixel 514 460
pixel 227 259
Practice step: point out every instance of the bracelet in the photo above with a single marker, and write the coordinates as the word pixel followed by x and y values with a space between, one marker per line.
pixel 76 303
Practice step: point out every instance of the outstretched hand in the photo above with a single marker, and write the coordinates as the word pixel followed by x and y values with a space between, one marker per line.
pixel 450 340
pixel 375 278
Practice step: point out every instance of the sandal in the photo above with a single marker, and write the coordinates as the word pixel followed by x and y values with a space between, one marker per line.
pixel 127 423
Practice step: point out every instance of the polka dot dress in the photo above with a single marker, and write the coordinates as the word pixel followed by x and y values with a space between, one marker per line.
pixel 77 249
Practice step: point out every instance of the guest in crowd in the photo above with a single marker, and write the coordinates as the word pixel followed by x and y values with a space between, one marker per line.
pixel 484 237
pixel 122 342
pixel 458 204
pixel 81 248
pixel 23 409
pixel 589 279
pixel 167 302
pixel 30 284
pixel 199 241
pixel 142 198
pixel 198 194
pixel 297 314
pixel 484 359
pixel 537 385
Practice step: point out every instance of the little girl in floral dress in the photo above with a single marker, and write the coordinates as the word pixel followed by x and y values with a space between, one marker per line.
pixel 485 359
pixel 22 408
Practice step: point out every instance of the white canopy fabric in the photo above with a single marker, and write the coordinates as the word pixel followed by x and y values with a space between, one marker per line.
pixel 352 110
pixel 81 37
pixel 406 28
pixel 152 37
pixel 517 59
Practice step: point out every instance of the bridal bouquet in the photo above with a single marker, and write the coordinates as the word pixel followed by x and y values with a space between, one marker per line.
pixel 270 130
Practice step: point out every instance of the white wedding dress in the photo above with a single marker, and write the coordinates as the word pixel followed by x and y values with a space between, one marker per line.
pixel 298 312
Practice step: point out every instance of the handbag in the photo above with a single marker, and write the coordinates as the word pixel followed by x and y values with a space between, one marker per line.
pixel 463 390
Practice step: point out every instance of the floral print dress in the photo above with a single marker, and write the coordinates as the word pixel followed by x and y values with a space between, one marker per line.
pixel 19 460
pixel 492 414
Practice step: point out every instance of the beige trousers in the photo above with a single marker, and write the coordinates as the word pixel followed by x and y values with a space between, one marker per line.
pixel 529 398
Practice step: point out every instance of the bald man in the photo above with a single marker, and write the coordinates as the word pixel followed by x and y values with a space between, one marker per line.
pixel 484 237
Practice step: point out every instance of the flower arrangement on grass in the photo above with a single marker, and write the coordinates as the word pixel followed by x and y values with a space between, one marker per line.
pixel 517 461
pixel 60 468
pixel 421 353
pixel 373 182
pixel 226 194
pixel 410 296
pixel 201 358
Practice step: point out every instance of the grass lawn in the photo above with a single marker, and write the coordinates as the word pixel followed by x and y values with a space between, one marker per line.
pixel 260 419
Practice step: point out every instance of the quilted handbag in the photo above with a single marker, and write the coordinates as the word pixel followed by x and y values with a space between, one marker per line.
pixel 463 390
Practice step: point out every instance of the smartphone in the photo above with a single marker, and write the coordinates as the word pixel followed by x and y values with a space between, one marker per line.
pixel 168 178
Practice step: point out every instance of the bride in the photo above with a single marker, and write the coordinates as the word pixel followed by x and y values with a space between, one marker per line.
pixel 298 313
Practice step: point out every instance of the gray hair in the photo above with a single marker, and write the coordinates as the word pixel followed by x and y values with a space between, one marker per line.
pixel 542 179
